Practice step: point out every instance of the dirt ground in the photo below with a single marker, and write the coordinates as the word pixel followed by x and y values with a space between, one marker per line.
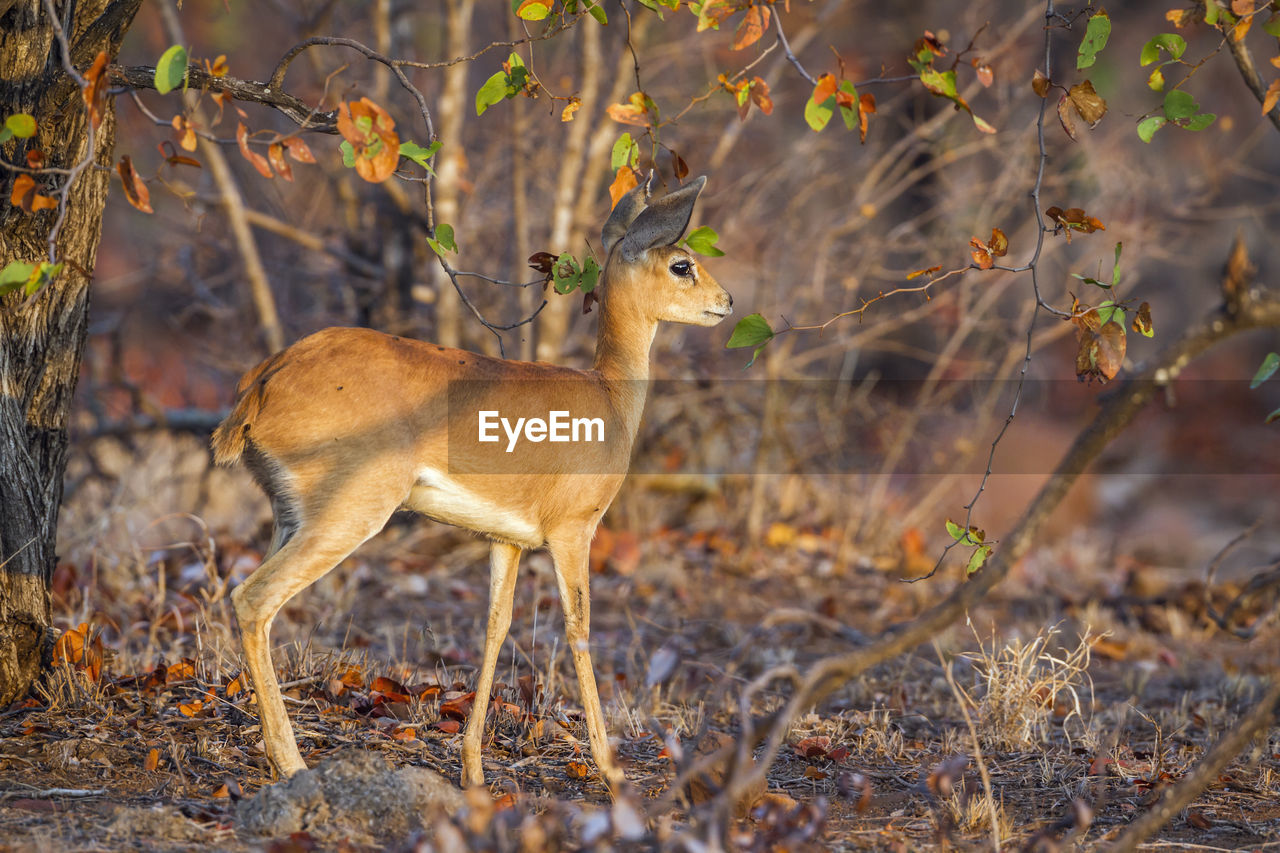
pixel 1093 678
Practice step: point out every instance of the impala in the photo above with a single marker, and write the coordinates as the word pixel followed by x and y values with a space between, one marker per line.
pixel 349 425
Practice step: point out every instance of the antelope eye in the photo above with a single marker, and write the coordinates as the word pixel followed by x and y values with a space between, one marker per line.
pixel 682 268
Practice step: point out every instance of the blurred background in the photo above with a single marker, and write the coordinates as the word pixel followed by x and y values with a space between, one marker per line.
pixel 847 447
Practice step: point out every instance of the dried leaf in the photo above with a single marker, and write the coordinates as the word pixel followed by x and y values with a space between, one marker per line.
pixel 24 196
pixel 259 162
pixel 370 130
pixel 753 25
pixel 623 182
pixel 95 90
pixel 1088 103
pixel 152 760
pixel 134 189
pixel 825 88
pixel 986 75
pixel 1272 95
pixel 1064 116
pixel 760 95
pixel 577 770
pixel 914 274
pixel 298 149
pixel 1040 83
pixel 570 108
pixel 866 106
pixel 275 153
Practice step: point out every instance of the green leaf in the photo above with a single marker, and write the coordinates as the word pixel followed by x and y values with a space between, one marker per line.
pixel 1156 81
pixel 348 154
pixel 751 331
pixel 535 11
pixel 849 114
pixel 590 274
pixel 1272 27
pixel 443 240
pixel 817 115
pixel 1266 370
pixel 972 536
pixel 955 531
pixel 1174 44
pixel 978 558
pixel 493 91
pixel 622 152
pixel 1179 104
pixel 1115 270
pixel 15 275
pixel 703 241
pixel 597 12
pixel 1109 312
pixel 1148 126
pixel 1090 280
pixel 566 274
pixel 1211 11
pixel 1095 39
pixel 1200 122
pixel 28 277
pixel 171 70
pixel 417 154
pixel 20 125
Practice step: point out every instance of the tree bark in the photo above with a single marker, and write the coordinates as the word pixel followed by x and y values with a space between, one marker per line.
pixel 42 337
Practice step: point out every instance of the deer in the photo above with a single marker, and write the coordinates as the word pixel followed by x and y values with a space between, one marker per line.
pixel 349 425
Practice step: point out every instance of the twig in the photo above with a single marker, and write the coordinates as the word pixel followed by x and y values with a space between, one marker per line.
pixel 45 793
pixel 1244 61
pixel 1179 796
pixel 1116 413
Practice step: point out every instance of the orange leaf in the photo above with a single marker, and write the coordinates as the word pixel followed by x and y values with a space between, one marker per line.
pixel 459 706
pixel 298 149
pixel 237 686
pixel 752 27
pixel 760 95
pixel 259 162
pixel 570 108
pixel 1040 84
pixel 928 271
pixel 623 182
pixel 449 726
pixel 275 153
pixel 866 106
pixel 183 670
pixel 813 747
pixel 1273 94
pixel 95 90
pixel 999 244
pixel 24 195
pixel 627 114
pixel 134 189
pixel 986 76
pixel 35 159
pixel 371 131
pixel 190 709
pixel 152 760
pixel 405 735
pixel 825 89
pixel 577 770
pixel 219 66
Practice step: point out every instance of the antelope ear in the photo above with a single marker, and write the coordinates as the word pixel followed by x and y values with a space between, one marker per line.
pixel 663 222
pixel 629 207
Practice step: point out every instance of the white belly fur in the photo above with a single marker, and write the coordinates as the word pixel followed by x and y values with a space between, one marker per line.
pixel 437 496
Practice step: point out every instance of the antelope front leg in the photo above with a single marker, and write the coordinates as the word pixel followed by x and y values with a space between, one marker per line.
pixel 504 559
pixel 572 574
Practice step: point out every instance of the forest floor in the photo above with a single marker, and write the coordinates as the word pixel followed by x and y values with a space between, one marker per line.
pixel 1091 679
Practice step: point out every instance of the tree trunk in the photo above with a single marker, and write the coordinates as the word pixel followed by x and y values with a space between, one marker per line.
pixel 42 337
pixel 450 117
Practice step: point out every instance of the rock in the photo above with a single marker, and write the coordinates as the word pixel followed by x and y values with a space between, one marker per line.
pixel 354 795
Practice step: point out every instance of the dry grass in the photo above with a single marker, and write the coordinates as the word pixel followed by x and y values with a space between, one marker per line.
pixel 889 761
